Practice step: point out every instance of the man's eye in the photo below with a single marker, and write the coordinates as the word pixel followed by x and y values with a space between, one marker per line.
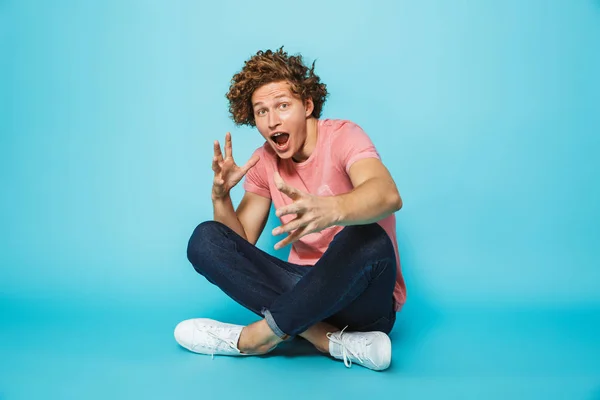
pixel 261 112
pixel 284 105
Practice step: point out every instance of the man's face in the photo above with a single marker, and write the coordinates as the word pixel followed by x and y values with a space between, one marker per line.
pixel 280 117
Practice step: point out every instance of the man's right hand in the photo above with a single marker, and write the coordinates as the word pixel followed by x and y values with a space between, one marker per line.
pixel 227 173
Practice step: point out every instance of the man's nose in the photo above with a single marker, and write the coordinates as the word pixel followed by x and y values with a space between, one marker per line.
pixel 274 121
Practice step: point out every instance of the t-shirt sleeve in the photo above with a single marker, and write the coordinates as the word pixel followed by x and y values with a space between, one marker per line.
pixel 255 180
pixel 351 144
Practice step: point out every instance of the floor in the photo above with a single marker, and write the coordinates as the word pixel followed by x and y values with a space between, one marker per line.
pixel 78 352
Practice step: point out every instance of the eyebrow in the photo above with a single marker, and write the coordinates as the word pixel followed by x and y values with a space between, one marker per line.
pixel 276 97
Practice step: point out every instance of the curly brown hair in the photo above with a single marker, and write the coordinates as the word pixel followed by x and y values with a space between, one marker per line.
pixel 267 67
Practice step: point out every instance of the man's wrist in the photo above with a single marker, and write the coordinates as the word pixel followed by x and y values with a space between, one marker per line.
pixel 339 210
pixel 220 199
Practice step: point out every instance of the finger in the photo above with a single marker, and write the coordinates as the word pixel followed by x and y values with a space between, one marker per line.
pixel 228 146
pixel 216 166
pixel 251 163
pixel 286 189
pixel 291 238
pixel 297 207
pixel 294 224
pixel 217 149
pixel 217 181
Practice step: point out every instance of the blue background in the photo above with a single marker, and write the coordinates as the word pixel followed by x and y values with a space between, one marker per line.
pixel 487 114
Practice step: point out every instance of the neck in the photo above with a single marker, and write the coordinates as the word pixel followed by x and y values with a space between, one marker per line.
pixel 309 143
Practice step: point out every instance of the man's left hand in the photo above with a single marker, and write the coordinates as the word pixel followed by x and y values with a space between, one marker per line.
pixel 313 213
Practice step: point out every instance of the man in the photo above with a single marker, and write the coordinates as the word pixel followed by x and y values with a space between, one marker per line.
pixel 342 285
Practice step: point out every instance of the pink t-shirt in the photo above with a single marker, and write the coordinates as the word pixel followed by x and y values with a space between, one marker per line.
pixel 325 173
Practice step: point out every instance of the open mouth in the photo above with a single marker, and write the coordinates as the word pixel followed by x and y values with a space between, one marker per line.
pixel 280 139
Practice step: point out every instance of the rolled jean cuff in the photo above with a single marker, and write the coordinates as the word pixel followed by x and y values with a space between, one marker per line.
pixel 273 325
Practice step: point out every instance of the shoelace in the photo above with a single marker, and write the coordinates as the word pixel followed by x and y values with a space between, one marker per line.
pixel 346 352
pixel 219 341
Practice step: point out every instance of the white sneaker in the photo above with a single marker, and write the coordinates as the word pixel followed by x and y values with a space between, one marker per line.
pixel 207 336
pixel 369 349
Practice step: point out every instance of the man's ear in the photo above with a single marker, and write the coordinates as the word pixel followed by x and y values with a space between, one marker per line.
pixel 309 106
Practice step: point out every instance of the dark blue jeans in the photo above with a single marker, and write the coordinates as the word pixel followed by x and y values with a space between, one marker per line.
pixel 351 285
